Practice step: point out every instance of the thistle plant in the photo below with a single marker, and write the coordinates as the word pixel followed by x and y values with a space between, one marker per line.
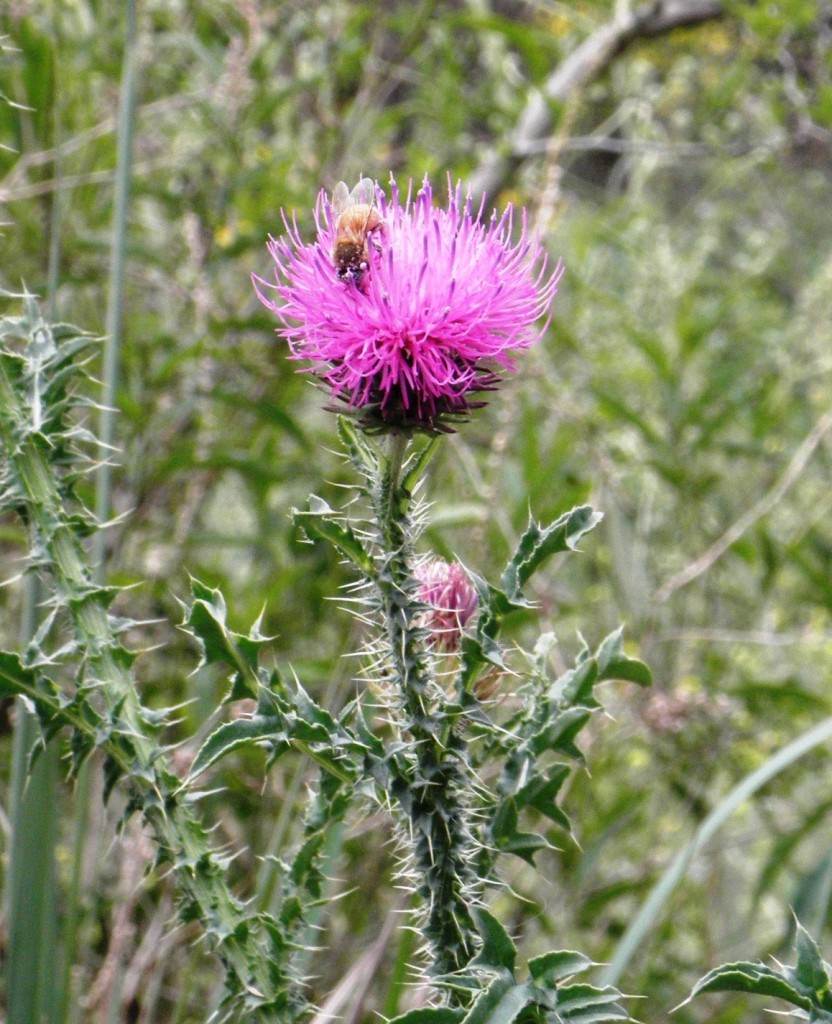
pixel 404 348
pixel 45 449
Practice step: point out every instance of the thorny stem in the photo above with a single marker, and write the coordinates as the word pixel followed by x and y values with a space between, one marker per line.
pixel 180 837
pixel 398 443
pixel 432 793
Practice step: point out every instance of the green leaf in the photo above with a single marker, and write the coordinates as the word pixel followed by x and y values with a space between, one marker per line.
pixel 537 544
pixel 629 669
pixel 320 521
pixel 613 663
pixel 31 896
pixel 540 793
pixel 559 735
pixel 587 1004
pixel 550 968
pixel 502 1002
pixel 482 650
pixel 242 732
pixel 206 621
pixel 810 971
pixel 286 718
pixel 504 822
pixel 494 603
pixel 51 705
pixel 362 455
pixel 753 978
pixel 15 679
pixel 498 950
pixel 420 464
pixel 576 684
pixel 507 837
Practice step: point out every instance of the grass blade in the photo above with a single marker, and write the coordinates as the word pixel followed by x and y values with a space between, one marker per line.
pixel 118 257
pixel 32 967
pixel 650 912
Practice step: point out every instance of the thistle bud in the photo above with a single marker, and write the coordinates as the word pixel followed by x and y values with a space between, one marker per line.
pixel 452 600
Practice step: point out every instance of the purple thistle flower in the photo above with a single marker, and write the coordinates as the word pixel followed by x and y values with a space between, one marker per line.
pixel 428 320
pixel 452 600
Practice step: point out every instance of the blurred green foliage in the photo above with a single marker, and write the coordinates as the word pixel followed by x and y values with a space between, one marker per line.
pixel 688 188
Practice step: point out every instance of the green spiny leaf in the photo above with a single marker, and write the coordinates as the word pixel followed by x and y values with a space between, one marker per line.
pixel 559 734
pixel 753 978
pixel 243 732
pixel 284 720
pixel 613 663
pixel 320 521
pixel 206 621
pixel 362 455
pixel 575 686
pixel 539 543
pixel 540 792
pixel 502 1002
pixel 420 464
pixel 113 771
pixel 498 950
pixel 482 650
pixel 550 968
pixel 15 678
pixel 586 1004
pixel 81 746
pixel 507 837
pixel 811 973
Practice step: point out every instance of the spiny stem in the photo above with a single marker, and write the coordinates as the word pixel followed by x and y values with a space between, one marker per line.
pixel 180 837
pixel 438 771
pixel 398 445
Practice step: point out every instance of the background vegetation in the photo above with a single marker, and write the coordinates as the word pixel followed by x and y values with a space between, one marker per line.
pixel 682 167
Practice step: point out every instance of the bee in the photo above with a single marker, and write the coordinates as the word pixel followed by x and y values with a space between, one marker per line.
pixel 358 220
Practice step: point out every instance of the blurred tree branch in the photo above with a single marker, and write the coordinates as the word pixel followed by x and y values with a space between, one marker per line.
pixel 757 511
pixel 588 61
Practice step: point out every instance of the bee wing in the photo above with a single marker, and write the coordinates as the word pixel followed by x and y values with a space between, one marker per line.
pixel 364 193
pixel 340 198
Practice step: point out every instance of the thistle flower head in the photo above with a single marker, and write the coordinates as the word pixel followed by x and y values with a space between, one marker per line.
pixel 452 600
pixel 424 320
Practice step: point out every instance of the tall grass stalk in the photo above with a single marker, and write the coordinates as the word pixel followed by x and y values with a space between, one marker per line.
pixel 112 345
pixel 648 917
pixel 118 257
pixel 36 985
pixel 112 351
pixel 31 904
